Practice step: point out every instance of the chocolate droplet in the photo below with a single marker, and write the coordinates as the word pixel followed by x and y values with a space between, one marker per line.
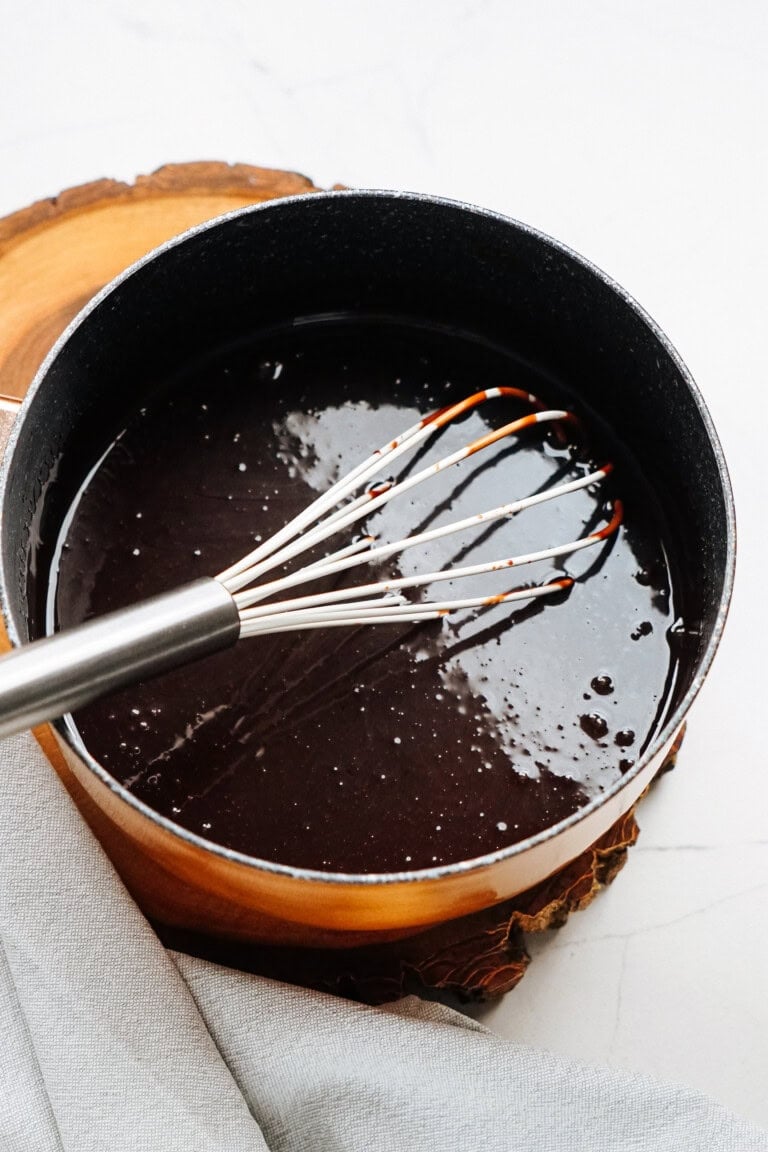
pixel 594 725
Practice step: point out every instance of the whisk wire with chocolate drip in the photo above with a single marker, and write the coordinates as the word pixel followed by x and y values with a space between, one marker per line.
pixel 50 677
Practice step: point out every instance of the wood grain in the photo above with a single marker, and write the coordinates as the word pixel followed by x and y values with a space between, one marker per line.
pixel 56 254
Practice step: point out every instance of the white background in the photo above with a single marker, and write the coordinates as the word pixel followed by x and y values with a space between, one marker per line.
pixel 636 133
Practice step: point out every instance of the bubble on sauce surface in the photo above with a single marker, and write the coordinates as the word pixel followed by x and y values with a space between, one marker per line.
pixel 594 724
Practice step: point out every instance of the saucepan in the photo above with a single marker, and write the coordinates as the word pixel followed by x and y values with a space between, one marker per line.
pixel 431 261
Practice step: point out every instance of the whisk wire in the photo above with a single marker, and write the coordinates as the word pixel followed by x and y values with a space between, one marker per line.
pixel 377 498
pixel 406 441
pixel 338 509
pixel 246 599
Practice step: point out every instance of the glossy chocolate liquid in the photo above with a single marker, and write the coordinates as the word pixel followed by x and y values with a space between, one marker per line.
pixel 384 748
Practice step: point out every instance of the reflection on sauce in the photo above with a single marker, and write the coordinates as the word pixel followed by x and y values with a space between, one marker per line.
pixel 369 749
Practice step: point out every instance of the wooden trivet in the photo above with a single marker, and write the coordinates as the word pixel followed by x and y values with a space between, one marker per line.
pixel 54 256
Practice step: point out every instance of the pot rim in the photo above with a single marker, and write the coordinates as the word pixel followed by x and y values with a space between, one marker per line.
pixel 65 725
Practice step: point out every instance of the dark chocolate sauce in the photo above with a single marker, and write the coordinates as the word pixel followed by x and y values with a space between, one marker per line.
pixel 368 749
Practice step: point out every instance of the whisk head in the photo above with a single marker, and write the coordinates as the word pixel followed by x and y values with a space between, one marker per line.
pixel 359 494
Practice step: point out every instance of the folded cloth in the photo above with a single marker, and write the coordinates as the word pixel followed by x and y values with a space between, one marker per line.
pixel 110 1042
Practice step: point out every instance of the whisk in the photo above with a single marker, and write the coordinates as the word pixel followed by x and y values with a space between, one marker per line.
pixel 55 675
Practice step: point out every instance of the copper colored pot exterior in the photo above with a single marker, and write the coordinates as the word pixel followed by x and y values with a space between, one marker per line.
pixel 179 882
pixel 495 275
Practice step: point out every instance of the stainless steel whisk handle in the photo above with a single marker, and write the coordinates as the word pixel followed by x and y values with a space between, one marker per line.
pixel 43 680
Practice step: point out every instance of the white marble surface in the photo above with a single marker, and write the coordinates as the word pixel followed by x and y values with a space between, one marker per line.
pixel 634 131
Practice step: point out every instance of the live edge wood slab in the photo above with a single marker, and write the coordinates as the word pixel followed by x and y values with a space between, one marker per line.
pixel 54 255
pixel 57 253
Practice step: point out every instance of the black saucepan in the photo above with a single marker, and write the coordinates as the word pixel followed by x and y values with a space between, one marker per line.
pixel 361 254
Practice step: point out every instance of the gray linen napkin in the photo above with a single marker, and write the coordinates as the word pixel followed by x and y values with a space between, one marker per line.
pixel 110 1042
